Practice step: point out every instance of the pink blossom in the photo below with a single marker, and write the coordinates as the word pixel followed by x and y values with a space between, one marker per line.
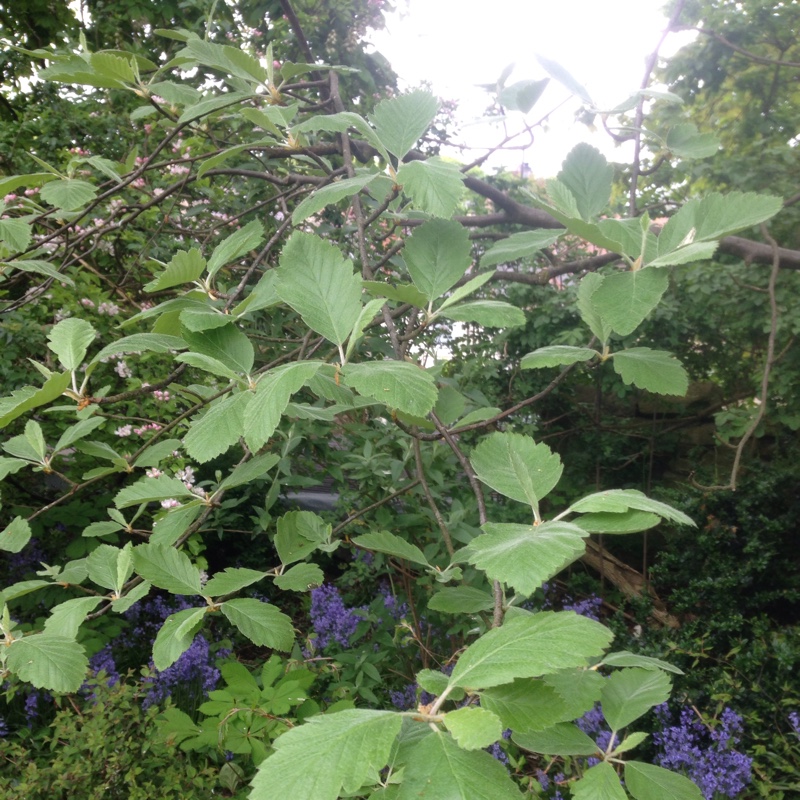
pixel 162 396
pixel 123 431
pixel 122 369
pixel 87 303
pixel 171 503
pixel 154 472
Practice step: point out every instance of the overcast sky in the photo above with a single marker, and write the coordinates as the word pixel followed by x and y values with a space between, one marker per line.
pixel 456 44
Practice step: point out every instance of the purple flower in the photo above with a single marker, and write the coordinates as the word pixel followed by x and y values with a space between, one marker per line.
pixel 794 721
pixel 588 607
pixel 332 620
pixel 406 699
pixel 194 674
pixel 103 661
pixel 3 728
pixel 704 754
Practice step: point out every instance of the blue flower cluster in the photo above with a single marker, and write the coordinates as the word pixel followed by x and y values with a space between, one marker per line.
pixel 705 754
pixel 193 673
pixel 332 620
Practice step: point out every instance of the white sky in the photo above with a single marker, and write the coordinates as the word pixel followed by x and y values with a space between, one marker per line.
pixel 456 44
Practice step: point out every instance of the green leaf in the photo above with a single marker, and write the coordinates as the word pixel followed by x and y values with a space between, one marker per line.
pixel 272 395
pixel 437 254
pixel 630 742
pixel 21 447
pixel 556 355
pixel 15 535
pixel 68 194
pixel 250 471
pixel 218 429
pixel 631 692
pixel 340 123
pixel 170 527
pixel 563 739
pixel 522 95
pixel 260 622
pixel 648 782
pixel 167 568
pixel 176 635
pixel 10 183
pixel 397 384
pixel 518 245
pixel 527 704
pixel 461 600
pixel 40 267
pixel 435 186
pixel 151 490
pixel 330 194
pixel 555 70
pixel 35 437
pixel 588 176
pixel 517 467
pixel 438 768
pixel 626 298
pixel 652 370
pixel 113 66
pixel 110 567
pixel 298 534
pixel 400 121
pixel 631 521
pixel 688 254
pixel 76 432
pixel 209 106
pixel 156 453
pixel 715 216
pixel 15 233
pixel 489 313
pixel 589 312
pixel 365 316
pixel 431 681
pixel 236 245
pixel 139 343
pixel 620 500
pixel 65 619
pixel 327 755
pixel 230 580
pixel 209 364
pixel 185 267
pixel 139 591
pixel 20 589
pixel 320 285
pixel 525 556
pixel 300 578
pixel 473 728
pixel 10 466
pixel 48 661
pixel 686 141
pixel 599 782
pixel 385 542
pixel 402 293
pixel 530 645
pixel 69 340
pixel 227 344
pixel 101 529
pixel 623 658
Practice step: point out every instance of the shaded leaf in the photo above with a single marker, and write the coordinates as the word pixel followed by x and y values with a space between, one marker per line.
pixel 48 661
pixel 437 254
pixel 599 782
pixel 400 121
pixel 396 384
pixel 385 542
pixel 260 622
pixel 648 782
pixel 473 728
pixel 563 739
pixel 652 370
pixel 434 185
pixel 300 578
pixel 631 692
pixel 167 568
pixel 556 355
pixel 69 340
pixel 625 299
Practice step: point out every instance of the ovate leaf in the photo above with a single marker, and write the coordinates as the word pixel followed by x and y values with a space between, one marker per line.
pixel 530 645
pixel 48 661
pixel 328 754
pixel 184 267
pixel 588 309
pixel 167 568
pixel 517 467
pixel 652 370
pixel 227 344
pixel 65 619
pixel 437 255
pixel 563 739
pixel 385 542
pixel 630 692
pixel 300 578
pixel 626 298
pixel 620 500
pixel 260 622
pixel 435 185
pixel 556 355
pixel 148 490
pixel 438 768
pixel 461 600
pixel 648 782
pixel 527 704
pixel 599 782
pixel 68 194
pixel 518 245
pixel 15 535
pixel 330 194
pixel 400 121
pixel 489 313
pixel 473 728
pixel 588 175
pixel 236 245
pixel 525 556
pixel 686 141
pixel 69 340
pixel 176 635
pixel 230 580
pixel 272 395
pixel 320 285
pixel 397 384
pixel 218 429
pixel 623 658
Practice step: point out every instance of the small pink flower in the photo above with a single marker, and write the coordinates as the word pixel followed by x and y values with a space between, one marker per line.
pixel 171 503
pixel 125 430
pixel 154 472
